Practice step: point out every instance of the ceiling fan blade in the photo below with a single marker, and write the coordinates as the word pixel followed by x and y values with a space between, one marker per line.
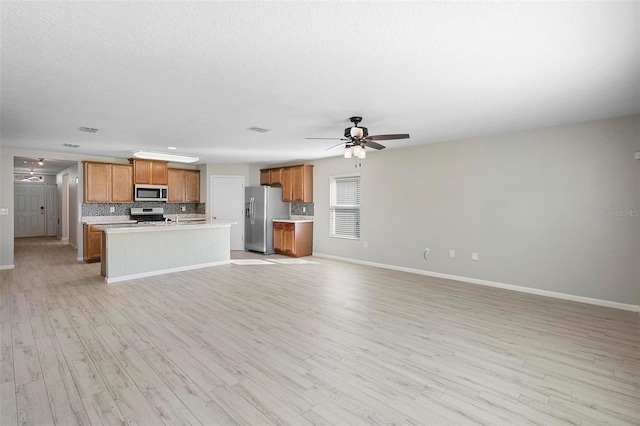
pixel 336 146
pixel 387 137
pixel 334 139
pixel 372 144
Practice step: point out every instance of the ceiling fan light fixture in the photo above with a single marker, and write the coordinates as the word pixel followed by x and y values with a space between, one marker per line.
pixel 357 132
pixel 148 155
pixel 363 153
pixel 348 152
pixel 357 151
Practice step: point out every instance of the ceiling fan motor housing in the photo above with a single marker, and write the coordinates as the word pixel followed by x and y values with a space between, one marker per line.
pixel 347 132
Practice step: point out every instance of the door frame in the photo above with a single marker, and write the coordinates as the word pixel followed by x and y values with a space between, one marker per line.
pixel 240 207
pixel 64 231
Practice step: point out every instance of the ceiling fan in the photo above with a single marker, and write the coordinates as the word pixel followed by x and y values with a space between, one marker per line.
pixel 356 139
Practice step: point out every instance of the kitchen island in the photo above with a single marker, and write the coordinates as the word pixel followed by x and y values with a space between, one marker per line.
pixel 131 251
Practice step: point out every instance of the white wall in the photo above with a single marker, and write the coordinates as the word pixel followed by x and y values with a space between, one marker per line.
pixel 532 204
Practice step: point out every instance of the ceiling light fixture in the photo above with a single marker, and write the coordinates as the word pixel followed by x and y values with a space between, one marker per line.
pixel 41 162
pixel 148 155
pixel 171 147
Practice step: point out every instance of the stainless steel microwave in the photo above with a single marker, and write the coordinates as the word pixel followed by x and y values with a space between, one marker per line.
pixel 151 192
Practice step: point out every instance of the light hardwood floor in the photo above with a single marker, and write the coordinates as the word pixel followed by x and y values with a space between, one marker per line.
pixel 325 343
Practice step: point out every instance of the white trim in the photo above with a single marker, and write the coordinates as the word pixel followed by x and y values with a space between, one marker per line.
pixel 164 271
pixel 80 259
pixel 2 267
pixel 512 287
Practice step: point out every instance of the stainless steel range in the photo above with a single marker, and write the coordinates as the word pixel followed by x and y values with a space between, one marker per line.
pixel 148 215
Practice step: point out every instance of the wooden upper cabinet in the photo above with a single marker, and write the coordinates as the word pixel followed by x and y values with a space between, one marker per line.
pixel 302 183
pixel 286 184
pixel 184 186
pixel 176 186
pixel 296 181
pixel 192 186
pixel 265 177
pixel 108 183
pixel 97 182
pixel 121 183
pixel 159 173
pixel 275 176
pixel 150 172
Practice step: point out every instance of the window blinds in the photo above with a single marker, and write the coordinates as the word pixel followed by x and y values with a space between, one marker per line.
pixel 345 207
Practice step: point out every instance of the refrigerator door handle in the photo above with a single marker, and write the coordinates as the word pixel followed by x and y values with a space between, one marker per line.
pixel 253 210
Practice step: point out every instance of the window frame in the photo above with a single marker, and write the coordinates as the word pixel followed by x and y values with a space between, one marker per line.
pixel 332 208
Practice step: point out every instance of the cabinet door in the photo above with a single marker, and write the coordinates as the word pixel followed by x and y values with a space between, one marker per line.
pixel 276 176
pixel 92 244
pixel 265 177
pixel 121 183
pixel 176 179
pixel 192 186
pixel 297 185
pixel 142 171
pixel 289 239
pixel 97 182
pixel 159 173
pixel 278 237
pixel 286 184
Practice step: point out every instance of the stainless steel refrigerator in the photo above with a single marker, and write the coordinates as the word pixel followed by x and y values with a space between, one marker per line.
pixel 262 205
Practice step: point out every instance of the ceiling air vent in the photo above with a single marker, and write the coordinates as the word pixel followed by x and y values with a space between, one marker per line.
pixel 71 145
pixel 258 129
pixel 87 129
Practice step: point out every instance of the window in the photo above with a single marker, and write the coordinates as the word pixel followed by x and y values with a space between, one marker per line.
pixel 345 206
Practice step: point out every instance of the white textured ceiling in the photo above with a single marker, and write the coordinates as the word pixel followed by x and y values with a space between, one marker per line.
pixel 196 75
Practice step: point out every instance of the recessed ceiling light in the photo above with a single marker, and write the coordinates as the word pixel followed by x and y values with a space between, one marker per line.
pixel 171 147
pixel 147 155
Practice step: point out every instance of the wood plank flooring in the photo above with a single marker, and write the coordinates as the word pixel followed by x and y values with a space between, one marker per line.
pixel 330 343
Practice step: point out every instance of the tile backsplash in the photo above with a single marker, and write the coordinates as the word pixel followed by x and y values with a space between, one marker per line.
pixel 124 209
pixel 297 209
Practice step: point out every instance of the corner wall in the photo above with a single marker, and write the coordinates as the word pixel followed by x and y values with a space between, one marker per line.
pixel 553 209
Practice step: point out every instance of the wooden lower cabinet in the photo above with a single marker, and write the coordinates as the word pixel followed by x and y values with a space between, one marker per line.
pixel 92 244
pixel 293 238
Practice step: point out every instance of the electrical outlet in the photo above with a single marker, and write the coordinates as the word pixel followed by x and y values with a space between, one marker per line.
pixel 452 253
pixel 474 256
pixel 112 209
pixel 304 209
pixel 183 208
pixel 366 244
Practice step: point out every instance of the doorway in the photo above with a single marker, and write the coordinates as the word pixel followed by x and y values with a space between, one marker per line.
pixel 227 195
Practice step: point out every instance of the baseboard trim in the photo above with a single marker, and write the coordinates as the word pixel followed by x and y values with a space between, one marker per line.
pixel 2 267
pixel 512 287
pixel 164 271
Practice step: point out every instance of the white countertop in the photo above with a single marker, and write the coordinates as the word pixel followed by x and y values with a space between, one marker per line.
pixel 160 226
pixel 293 220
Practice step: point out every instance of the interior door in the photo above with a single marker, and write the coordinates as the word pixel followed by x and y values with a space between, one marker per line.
pixel 227 195
pixel 29 210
